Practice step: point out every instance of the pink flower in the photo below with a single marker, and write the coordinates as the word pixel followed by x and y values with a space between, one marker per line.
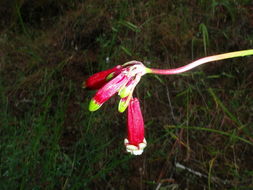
pixel 99 79
pixel 123 80
pixel 135 142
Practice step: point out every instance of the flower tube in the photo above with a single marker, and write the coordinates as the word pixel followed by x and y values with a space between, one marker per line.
pixel 135 141
pixel 99 79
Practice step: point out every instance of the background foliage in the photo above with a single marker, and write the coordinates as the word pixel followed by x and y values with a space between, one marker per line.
pixel 198 124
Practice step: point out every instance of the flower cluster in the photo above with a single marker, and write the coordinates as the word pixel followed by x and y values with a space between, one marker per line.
pixel 122 80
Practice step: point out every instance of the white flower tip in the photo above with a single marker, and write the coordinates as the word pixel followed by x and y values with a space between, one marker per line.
pixel 142 145
pixel 134 150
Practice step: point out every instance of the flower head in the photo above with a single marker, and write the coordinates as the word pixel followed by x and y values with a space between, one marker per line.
pixel 135 141
pixel 123 80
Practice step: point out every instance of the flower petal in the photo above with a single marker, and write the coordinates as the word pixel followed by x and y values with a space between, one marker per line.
pixel 132 149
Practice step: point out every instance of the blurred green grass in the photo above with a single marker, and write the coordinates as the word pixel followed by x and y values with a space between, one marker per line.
pixel 201 119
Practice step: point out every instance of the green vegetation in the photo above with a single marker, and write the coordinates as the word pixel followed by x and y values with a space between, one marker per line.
pixel 201 120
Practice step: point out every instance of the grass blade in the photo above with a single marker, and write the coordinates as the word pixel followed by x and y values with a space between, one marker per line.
pixel 233 136
pixel 224 109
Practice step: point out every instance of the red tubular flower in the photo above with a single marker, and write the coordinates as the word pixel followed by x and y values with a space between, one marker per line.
pixel 99 79
pixel 108 90
pixel 135 142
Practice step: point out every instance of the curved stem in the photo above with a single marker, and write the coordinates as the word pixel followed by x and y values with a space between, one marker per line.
pixel 200 62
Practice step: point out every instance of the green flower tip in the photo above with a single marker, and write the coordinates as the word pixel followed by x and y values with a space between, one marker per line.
pixel 94 106
pixel 122 106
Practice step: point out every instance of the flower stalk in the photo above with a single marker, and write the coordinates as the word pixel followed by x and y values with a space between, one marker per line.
pixel 200 62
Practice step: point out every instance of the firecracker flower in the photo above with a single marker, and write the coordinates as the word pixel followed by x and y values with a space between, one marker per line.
pixel 123 80
pixel 135 141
